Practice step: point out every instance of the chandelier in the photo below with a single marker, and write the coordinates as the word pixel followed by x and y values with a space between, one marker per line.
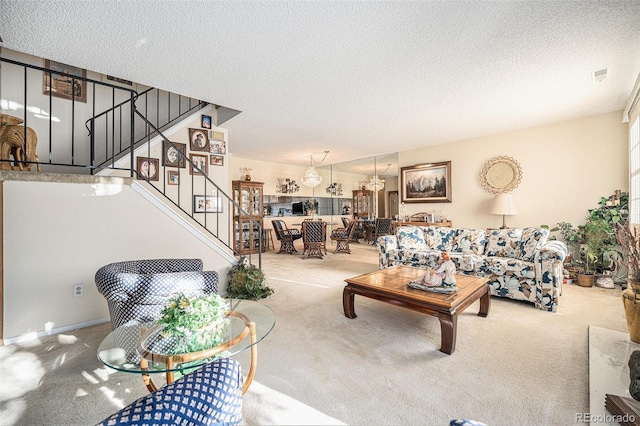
pixel 377 184
pixel 287 186
pixel 311 178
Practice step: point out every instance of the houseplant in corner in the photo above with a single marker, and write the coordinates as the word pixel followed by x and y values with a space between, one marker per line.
pixel 630 243
pixel 595 236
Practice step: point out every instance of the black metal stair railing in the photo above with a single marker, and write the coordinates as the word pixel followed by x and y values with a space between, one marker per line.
pixel 105 129
pixel 122 123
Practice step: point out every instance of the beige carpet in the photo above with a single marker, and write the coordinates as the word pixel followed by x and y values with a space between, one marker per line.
pixel 517 366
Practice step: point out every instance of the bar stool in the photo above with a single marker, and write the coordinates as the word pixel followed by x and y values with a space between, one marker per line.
pixel 267 239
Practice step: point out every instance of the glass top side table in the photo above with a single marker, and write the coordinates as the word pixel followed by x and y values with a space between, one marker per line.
pixel 139 347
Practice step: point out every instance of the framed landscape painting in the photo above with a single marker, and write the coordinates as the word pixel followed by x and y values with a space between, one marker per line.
pixel 426 183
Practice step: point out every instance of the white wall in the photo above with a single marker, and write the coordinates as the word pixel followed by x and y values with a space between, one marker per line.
pixel 566 168
pixel 55 236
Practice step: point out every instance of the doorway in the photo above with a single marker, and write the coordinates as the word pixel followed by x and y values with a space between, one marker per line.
pixel 392 203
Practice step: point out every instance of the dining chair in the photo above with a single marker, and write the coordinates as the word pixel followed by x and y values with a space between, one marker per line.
pixel 286 236
pixel 342 237
pixel 381 227
pixel 314 236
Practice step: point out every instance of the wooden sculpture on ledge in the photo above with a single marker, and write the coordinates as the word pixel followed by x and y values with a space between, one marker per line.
pixel 12 137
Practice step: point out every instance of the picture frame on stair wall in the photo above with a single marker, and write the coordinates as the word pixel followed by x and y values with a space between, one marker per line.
pixel 174 154
pixel 198 140
pixel 148 168
pixel 201 163
pixel 207 204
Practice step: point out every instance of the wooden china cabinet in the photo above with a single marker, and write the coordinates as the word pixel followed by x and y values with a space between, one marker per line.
pixel 246 234
pixel 363 204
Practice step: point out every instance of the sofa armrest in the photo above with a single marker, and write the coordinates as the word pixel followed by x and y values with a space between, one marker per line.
pixel 553 250
pixel 549 274
pixel 385 244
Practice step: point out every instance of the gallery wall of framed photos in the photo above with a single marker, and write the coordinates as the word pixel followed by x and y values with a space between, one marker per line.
pixel 166 164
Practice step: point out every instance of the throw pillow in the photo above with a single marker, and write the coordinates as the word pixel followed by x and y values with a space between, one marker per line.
pixel 531 242
pixel 469 241
pixel 410 238
pixel 439 237
pixel 504 242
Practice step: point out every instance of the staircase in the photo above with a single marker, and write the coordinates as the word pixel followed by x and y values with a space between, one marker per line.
pixel 110 131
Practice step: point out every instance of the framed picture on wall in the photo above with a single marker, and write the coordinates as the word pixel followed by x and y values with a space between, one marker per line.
pixel 174 154
pixel 218 147
pixel 206 122
pixel 148 168
pixel 216 160
pixel 216 136
pixel 198 140
pixel 207 204
pixel 426 183
pixel 64 86
pixel 173 177
pixel 201 163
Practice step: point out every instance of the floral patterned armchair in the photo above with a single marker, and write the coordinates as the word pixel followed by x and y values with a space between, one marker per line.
pixel 519 263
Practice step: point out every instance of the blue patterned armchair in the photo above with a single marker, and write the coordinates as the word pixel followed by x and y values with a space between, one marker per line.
pixel 137 290
pixel 211 395
pixel 519 263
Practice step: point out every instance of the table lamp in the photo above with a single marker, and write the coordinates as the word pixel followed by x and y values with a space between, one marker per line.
pixel 505 205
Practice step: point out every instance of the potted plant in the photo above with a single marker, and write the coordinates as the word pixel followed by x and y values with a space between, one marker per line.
pixel 595 237
pixel 247 281
pixel 311 207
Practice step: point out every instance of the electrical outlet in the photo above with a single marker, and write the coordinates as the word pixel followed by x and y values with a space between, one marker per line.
pixel 78 290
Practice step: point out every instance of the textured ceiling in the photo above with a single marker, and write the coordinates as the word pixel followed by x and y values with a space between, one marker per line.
pixel 355 78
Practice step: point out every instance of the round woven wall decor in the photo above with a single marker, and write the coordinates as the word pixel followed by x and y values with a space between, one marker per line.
pixel 500 174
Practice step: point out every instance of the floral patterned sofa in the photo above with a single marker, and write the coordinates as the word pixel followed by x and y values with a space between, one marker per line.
pixel 519 263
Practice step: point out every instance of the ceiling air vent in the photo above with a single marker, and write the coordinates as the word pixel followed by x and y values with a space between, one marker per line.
pixel 600 75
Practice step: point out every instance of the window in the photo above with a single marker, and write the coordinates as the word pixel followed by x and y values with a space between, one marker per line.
pixel 634 169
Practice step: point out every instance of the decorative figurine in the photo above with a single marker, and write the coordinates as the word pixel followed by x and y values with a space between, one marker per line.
pixel 441 280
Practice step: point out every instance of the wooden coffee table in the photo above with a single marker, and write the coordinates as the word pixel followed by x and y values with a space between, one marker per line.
pixel 390 286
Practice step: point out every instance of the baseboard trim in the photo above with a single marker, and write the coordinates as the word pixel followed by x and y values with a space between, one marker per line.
pixel 57 330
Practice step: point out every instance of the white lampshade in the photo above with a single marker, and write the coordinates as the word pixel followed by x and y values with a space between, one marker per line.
pixel 504 205
pixel 311 178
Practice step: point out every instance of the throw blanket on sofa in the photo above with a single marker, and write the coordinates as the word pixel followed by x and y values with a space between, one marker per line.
pixel 519 263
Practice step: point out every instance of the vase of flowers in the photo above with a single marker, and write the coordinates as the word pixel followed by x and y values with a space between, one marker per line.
pixel 194 324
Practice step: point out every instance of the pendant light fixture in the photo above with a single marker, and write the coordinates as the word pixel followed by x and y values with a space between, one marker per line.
pixel 311 178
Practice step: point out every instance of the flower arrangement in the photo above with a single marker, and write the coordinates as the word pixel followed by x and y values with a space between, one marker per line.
pixel 195 323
